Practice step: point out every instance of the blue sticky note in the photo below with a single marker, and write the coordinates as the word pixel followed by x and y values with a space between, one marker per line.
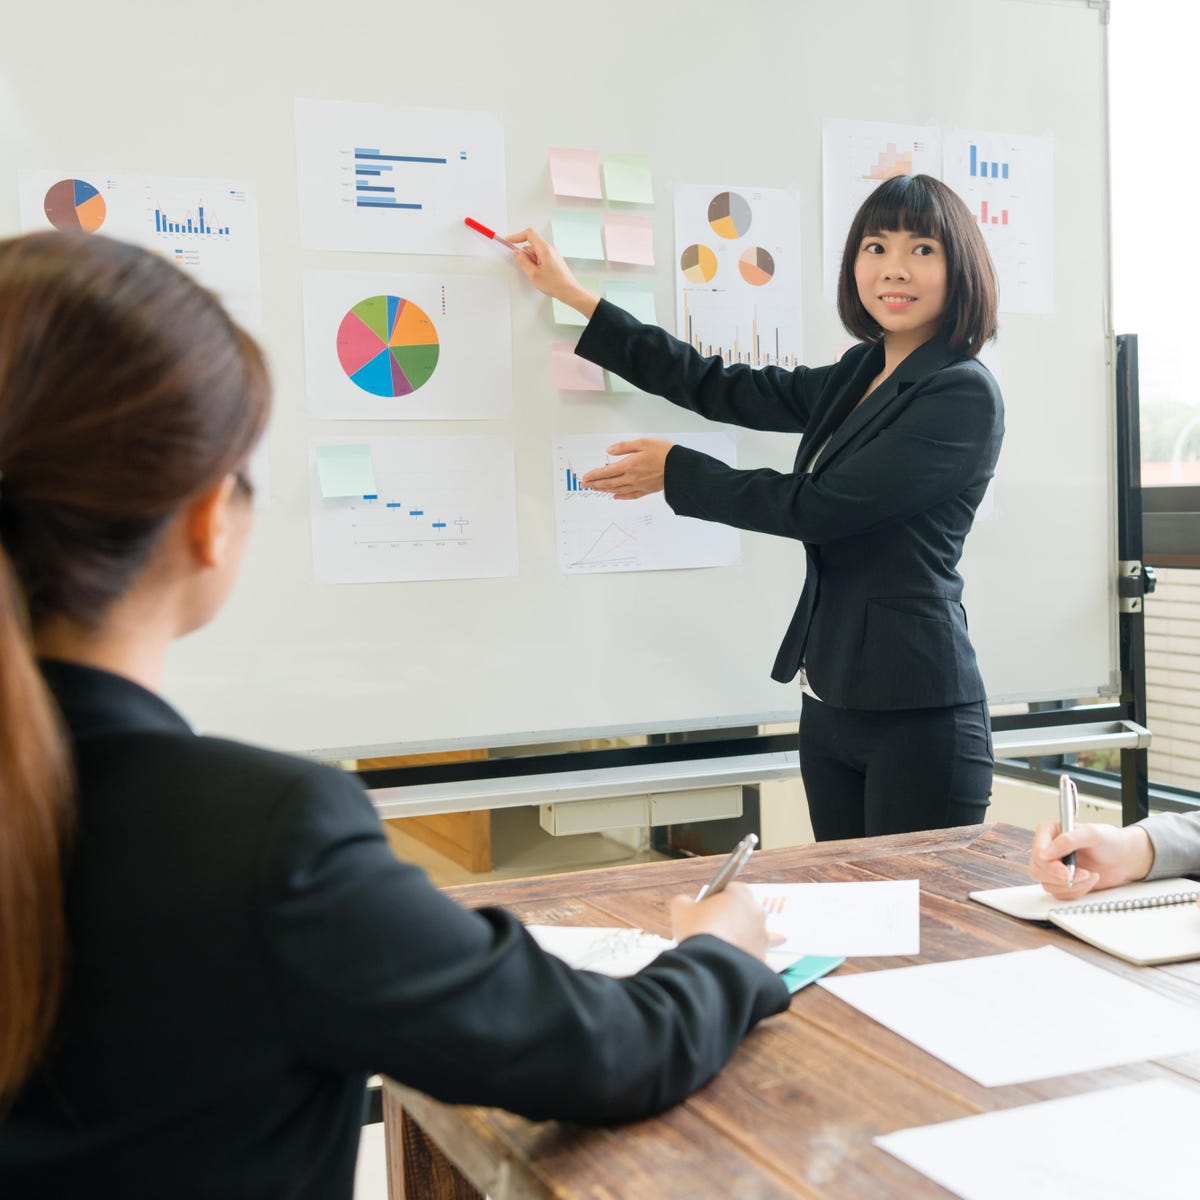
pixel 345 470
pixel 636 297
pixel 577 233
pixel 564 314
pixel 804 970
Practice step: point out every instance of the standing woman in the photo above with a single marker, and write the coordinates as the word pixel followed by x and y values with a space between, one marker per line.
pixel 901 437
pixel 206 947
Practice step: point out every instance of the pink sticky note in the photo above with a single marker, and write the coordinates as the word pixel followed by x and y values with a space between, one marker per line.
pixel 629 239
pixel 575 374
pixel 575 172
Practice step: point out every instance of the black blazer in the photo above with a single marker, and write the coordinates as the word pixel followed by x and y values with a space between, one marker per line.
pixel 880 622
pixel 246 949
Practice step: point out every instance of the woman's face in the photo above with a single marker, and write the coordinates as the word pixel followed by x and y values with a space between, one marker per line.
pixel 901 280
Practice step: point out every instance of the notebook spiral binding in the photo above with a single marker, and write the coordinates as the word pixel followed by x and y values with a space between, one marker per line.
pixel 1103 906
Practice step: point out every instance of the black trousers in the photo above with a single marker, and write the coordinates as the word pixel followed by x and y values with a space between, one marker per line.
pixel 868 773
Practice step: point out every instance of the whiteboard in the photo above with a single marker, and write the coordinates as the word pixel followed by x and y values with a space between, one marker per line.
pixel 710 91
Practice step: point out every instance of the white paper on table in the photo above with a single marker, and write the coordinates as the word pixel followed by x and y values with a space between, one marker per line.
pixel 1031 1014
pixel 616 951
pixel 846 919
pixel 1123 1143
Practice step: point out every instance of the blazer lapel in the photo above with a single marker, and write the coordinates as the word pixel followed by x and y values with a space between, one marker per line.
pixel 860 373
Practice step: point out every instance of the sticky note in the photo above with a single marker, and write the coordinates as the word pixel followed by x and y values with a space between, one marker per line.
pixel 575 172
pixel 575 374
pixel 629 239
pixel 345 470
pixel 617 384
pixel 577 234
pixel 564 314
pixel 804 970
pixel 627 178
pixel 635 297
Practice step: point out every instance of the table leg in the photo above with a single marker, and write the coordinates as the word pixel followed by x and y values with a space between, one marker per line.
pixel 416 1167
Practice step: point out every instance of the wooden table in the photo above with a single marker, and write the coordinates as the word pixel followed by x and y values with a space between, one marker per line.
pixel 794 1112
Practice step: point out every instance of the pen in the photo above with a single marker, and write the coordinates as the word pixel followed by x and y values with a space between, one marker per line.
pixel 479 227
pixel 739 856
pixel 1068 806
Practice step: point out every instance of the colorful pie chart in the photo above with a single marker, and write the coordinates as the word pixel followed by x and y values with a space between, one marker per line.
pixel 387 346
pixel 698 263
pixel 757 266
pixel 73 204
pixel 729 215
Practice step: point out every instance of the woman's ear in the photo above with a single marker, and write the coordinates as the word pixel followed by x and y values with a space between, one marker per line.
pixel 207 523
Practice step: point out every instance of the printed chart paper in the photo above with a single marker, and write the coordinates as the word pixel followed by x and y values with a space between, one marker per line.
pixel 737 273
pixel 597 534
pixel 443 508
pixel 617 950
pixel 846 919
pixel 943 1007
pixel 857 156
pixel 1007 182
pixel 1121 1143
pixel 398 180
pixel 207 227
pixel 391 347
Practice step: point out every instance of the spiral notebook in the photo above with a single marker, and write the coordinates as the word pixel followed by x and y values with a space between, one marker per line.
pixel 1143 923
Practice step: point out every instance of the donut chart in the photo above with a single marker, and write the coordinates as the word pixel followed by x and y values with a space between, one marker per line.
pixel 388 346
pixel 757 266
pixel 729 215
pixel 698 263
pixel 74 204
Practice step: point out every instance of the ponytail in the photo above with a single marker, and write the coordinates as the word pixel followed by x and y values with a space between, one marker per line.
pixel 35 823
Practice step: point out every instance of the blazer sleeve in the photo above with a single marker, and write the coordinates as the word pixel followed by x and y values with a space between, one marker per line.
pixel 375 970
pixel 946 437
pixel 771 398
pixel 1176 841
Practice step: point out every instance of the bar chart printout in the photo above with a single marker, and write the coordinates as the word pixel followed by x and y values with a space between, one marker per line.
pixel 442 508
pixel 597 534
pixel 376 178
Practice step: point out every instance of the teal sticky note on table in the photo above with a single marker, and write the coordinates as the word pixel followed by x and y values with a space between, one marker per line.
pixel 627 178
pixel 804 970
pixel 345 470
pixel 577 234
pixel 564 314
pixel 635 297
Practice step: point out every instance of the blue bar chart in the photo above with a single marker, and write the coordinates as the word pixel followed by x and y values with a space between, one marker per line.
pixel 982 169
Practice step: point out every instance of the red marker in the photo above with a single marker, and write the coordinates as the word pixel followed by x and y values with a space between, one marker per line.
pixel 491 233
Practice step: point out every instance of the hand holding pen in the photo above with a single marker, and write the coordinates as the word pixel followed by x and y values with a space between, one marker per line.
pixel 1068 810
pixel 727 911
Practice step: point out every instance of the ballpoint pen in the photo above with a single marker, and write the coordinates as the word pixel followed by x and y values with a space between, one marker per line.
pixel 738 857
pixel 1068 807
pixel 479 227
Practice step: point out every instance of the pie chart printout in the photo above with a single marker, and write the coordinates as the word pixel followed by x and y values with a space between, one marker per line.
pixel 73 204
pixel 388 346
pixel 757 266
pixel 729 215
pixel 698 263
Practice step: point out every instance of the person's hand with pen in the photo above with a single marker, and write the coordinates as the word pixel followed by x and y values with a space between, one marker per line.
pixel 1105 856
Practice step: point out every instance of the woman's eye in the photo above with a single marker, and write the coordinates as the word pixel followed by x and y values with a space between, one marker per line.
pixel 923 250
pixel 872 248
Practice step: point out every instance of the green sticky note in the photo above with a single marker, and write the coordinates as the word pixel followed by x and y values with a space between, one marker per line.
pixel 804 970
pixel 627 178
pixel 577 234
pixel 345 470
pixel 635 297
pixel 564 314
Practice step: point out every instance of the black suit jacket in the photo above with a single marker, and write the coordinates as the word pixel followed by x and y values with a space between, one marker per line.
pixel 245 949
pixel 883 515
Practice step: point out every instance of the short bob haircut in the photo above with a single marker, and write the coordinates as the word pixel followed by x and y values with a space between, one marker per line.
pixel 925 206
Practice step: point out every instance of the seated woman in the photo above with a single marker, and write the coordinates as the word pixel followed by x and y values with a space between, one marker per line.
pixel 1160 847
pixel 206 947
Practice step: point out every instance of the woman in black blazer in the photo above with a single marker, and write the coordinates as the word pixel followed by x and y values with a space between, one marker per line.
pixel 206 947
pixel 901 437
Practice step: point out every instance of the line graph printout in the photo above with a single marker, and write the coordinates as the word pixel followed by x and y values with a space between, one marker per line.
pixel 389 347
pixel 597 534
pixel 857 156
pixel 397 180
pixel 442 508
pixel 206 227
pixel 737 273
pixel 1007 181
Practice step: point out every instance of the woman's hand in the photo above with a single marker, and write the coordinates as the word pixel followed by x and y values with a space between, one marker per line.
pixel 550 274
pixel 1105 856
pixel 639 473
pixel 732 915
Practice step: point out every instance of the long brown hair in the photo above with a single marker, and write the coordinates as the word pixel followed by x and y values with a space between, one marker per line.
pixel 125 390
